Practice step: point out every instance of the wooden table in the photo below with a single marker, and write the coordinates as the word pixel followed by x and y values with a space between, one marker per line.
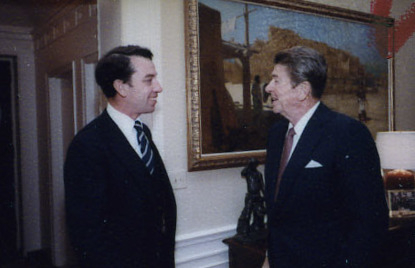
pixel 245 252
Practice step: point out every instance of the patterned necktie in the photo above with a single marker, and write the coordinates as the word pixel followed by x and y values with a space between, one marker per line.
pixel 145 148
pixel 288 144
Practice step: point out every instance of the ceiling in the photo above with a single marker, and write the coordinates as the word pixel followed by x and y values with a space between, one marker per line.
pixel 27 13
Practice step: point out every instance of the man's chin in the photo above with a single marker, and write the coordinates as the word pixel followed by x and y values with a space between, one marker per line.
pixel 149 110
pixel 276 110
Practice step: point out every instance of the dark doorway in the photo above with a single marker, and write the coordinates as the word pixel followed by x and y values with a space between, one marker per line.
pixel 8 163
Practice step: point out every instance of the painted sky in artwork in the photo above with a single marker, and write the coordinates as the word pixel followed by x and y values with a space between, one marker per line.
pixel 356 38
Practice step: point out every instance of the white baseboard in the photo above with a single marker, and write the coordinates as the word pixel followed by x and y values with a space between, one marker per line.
pixel 204 249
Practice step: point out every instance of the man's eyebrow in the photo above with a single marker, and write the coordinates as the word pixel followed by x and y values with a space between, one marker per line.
pixel 150 75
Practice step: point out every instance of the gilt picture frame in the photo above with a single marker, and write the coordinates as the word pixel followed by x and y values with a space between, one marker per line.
pixel 230 47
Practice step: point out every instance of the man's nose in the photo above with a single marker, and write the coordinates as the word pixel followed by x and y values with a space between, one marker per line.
pixel 268 87
pixel 157 87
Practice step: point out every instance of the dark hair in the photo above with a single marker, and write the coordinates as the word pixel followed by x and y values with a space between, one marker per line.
pixel 305 64
pixel 116 65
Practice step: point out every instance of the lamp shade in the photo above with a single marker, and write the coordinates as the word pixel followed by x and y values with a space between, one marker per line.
pixel 396 149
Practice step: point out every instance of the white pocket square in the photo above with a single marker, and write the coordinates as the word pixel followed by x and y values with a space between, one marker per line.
pixel 313 164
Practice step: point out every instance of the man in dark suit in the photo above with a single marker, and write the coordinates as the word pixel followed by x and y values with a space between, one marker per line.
pixel 120 207
pixel 327 206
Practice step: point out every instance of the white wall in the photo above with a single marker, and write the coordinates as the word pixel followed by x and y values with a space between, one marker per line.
pixel 109 25
pixel 18 42
pixel 404 74
pixel 211 201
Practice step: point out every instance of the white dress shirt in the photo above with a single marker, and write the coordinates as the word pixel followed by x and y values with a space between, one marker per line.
pixel 300 126
pixel 126 125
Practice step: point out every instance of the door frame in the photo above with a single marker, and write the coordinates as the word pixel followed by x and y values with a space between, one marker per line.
pixel 14 101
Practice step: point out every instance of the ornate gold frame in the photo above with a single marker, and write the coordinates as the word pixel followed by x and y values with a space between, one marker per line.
pixel 196 159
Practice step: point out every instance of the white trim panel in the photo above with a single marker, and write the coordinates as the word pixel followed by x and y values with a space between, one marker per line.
pixel 204 249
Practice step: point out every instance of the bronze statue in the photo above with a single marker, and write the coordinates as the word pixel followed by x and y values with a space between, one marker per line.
pixel 251 220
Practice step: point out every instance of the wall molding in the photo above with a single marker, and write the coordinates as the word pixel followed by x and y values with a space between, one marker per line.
pixel 65 21
pixel 15 33
pixel 204 249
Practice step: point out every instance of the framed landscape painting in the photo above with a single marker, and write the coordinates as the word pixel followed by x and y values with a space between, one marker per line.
pixel 230 46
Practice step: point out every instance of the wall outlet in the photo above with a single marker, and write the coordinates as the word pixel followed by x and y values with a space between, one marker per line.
pixel 178 179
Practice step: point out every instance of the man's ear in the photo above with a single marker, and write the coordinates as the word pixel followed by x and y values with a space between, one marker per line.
pixel 120 87
pixel 304 89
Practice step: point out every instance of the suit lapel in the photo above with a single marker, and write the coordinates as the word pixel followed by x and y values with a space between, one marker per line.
pixel 310 138
pixel 121 148
pixel 124 157
pixel 274 157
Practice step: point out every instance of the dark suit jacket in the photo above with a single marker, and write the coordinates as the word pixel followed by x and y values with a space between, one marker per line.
pixel 118 215
pixel 330 216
